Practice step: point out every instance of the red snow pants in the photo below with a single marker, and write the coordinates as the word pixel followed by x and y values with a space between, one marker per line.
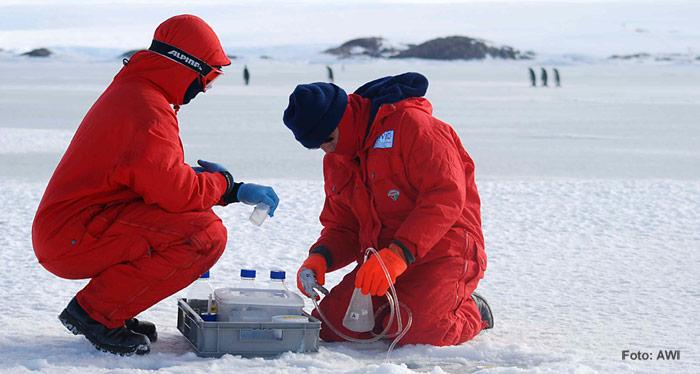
pixel 137 255
pixel 437 292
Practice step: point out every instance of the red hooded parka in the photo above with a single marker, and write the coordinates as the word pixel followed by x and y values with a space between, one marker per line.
pixel 122 207
pixel 407 180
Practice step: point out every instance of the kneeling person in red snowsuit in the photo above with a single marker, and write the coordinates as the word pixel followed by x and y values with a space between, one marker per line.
pixel 123 208
pixel 398 179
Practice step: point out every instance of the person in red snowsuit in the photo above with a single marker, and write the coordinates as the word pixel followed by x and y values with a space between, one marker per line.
pixel 399 180
pixel 123 208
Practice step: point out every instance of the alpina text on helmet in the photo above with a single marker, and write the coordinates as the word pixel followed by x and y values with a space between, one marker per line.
pixel 186 59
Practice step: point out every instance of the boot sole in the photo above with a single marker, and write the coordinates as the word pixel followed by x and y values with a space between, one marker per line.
pixel 73 326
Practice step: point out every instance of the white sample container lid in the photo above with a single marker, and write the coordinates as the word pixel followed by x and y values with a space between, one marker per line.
pixel 261 297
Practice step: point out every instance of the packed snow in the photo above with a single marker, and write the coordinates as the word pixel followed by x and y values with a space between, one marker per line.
pixel 590 203
pixel 590 192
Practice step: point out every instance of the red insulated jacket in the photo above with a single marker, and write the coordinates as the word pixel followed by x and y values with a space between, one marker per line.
pixel 409 180
pixel 128 148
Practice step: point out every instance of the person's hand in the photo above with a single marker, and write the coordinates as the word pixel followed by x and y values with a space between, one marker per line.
pixel 229 195
pixel 312 275
pixel 209 166
pixel 254 194
pixel 372 280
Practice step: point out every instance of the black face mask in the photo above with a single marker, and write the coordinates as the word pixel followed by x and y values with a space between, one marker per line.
pixel 192 91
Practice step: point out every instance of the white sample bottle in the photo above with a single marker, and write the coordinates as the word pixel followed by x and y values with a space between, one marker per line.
pixel 360 315
pixel 201 296
pixel 247 278
pixel 277 280
pixel 200 289
pixel 259 214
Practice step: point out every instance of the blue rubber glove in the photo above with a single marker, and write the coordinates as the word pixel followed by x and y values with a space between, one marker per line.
pixel 254 194
pixel 210 167
pixel 198 169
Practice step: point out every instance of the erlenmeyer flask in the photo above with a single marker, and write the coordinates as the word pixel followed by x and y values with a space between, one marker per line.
pixel 360 316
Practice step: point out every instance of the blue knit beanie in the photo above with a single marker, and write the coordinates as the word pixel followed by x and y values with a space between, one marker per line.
pixel 314 111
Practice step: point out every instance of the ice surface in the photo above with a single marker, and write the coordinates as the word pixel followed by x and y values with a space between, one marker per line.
pixel 590 199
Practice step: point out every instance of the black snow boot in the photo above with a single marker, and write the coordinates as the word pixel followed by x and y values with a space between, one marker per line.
pixel 484 309
pixel 119 341
pixel 142 327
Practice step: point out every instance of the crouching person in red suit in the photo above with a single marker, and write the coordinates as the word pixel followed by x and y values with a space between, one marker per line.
pixel 399 180
pixel 123 209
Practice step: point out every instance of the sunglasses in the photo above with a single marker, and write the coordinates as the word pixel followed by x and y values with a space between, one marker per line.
pixel 208 80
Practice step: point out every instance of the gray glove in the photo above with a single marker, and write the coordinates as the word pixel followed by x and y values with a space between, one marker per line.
pixel 307 278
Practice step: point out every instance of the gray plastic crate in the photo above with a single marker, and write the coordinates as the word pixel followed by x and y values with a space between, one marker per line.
pixel 250 339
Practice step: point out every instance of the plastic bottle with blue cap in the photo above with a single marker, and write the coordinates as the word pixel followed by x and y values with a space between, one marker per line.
pixel 203 292
pixel 294 316
pixel 200 289
pixel 247 278
pixel 277 282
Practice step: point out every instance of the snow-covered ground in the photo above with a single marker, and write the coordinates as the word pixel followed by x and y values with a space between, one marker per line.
pixel 591 201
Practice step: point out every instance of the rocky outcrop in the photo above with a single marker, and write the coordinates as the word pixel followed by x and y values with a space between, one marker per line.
pixel 635 56
pixel 370 47
pixel 449 48
pixel 462 48
pixel 39 52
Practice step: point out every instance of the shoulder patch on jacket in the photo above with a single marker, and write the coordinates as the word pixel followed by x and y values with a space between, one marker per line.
pixel 386 140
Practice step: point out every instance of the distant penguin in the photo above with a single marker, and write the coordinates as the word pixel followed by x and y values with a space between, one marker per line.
pixel 330 74
pixel 533 78
pixel 246 75
pixel 557 79
pixel 543 77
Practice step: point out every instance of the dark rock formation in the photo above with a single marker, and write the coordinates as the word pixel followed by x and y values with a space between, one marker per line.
pixel 461 48
pixel 371 47
pixel 636 56
pixel 39 52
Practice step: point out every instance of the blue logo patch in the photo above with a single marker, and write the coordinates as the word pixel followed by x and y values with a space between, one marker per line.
pixel 386 140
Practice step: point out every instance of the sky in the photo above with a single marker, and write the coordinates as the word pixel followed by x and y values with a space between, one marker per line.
pixel 592 27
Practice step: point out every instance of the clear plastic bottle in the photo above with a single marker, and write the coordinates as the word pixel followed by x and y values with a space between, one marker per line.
pixel 277 280
pixel 259 214
pixel 200 289
pixel 200 296
pixel 247 278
